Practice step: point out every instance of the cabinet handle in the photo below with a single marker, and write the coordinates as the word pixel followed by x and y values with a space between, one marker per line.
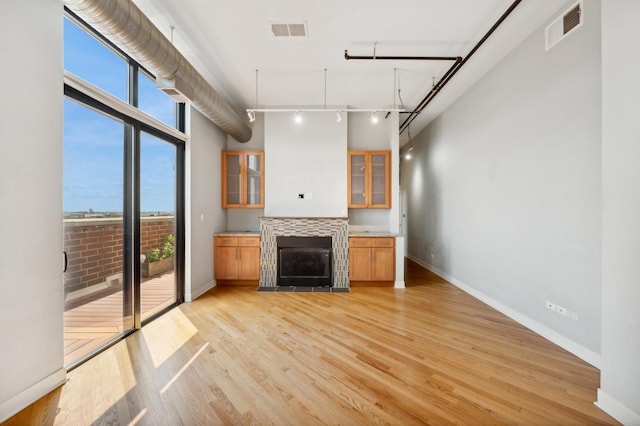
pixel 66 261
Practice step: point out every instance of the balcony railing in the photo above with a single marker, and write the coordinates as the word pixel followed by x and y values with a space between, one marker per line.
pixel 94 249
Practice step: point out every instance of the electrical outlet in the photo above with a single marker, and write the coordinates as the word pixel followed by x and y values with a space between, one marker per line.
pixel 562 310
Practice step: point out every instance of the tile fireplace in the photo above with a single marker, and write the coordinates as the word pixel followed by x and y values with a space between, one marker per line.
pixel 271 228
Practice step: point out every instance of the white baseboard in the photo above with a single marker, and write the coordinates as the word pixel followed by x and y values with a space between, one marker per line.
pixel 30 395
pixel 399 284
pixel 190 297
pixel 616 409
pixel 577 349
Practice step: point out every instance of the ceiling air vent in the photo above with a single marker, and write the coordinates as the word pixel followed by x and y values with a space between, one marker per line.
pixel 289 29
pixel 563 25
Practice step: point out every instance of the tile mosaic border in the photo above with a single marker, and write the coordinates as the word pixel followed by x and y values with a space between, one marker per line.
pixel 336 228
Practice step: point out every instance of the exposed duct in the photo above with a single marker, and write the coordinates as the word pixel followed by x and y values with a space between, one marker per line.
pixel 127 27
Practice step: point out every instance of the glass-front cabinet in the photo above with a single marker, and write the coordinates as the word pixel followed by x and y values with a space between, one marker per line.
pixel 243 179
pixel 369 184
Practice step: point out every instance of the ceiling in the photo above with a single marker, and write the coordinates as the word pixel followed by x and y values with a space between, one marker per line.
pixel 228 40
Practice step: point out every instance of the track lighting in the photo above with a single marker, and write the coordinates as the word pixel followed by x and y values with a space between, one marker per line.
pixel 298 117
pixel 374 117
pixel 407 152
pixel 252 116
pixel 338 116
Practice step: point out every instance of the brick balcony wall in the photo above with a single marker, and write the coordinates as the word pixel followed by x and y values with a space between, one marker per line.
pixel 95 246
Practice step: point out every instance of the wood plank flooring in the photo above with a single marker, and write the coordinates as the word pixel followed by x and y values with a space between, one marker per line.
pixel 88 326
pixel 427 354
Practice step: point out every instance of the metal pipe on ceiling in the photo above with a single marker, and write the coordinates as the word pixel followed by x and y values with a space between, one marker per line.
pixel 121 22
pixel 453 71
pixel 402 58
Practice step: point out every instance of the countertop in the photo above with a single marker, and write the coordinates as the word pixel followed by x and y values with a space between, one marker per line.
pixel 371 234
pixel 351 234
pixel 238 234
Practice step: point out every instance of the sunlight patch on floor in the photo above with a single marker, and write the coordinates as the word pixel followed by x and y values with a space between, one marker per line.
pixel 166 334
pixel 183 369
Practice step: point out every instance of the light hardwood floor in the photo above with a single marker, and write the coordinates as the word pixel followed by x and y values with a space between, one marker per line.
pixel 427 354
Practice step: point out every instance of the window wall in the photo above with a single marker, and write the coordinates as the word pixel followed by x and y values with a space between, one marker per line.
pixel 123 194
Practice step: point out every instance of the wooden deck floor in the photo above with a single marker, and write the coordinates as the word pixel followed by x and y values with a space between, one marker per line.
pixel 88 326
pixel 427 354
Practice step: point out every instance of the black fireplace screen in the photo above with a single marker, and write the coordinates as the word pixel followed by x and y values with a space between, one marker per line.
pixel 304 261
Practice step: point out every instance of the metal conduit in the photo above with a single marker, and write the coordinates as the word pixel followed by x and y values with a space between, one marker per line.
pixel 454 69
pixel 128 28
pixel 402 58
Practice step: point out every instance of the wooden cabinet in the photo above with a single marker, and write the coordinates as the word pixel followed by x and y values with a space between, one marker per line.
pixel 369 179
pixel 236 258
pixel 243 179
pixel 372 260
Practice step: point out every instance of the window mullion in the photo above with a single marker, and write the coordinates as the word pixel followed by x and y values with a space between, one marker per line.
pixel 132 84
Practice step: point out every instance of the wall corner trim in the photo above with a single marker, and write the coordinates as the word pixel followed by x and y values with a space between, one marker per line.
pixel 575 348
pixel 30 395
pixel 616 409
pixel 190 297
pixel 399 284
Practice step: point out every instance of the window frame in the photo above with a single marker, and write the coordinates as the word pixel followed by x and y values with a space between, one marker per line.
pixel 136 121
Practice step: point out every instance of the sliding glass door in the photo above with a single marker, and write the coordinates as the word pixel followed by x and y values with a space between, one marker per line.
pixel 97 294
pixel 157 224
pixel 123 230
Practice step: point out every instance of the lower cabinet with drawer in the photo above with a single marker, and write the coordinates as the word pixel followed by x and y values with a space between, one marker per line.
pixel 372 261
pixel 236 260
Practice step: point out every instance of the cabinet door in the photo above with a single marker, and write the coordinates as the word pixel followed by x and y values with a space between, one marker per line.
pixel 382 268
pixel 249 265
pixel 226 263
pixel 359 264
pixel 380 196
pixel 357 179
pixel 232 179
pixel 254 182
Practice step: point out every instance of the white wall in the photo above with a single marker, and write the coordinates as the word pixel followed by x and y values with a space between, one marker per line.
pixel 619 392
pixel 309 157
pixel 504 189
pixel 204 213
pixel 366 135
pixel 31 306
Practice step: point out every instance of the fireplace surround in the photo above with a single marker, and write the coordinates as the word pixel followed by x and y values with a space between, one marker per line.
pixel 273 227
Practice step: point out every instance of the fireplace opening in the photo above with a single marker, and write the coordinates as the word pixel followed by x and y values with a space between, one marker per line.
pixel 304 261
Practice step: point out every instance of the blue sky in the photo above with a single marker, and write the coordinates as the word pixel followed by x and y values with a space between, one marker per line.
pixel 94 143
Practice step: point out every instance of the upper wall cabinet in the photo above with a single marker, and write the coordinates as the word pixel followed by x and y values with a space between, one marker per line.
pixel 369 185
pixel 243 179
